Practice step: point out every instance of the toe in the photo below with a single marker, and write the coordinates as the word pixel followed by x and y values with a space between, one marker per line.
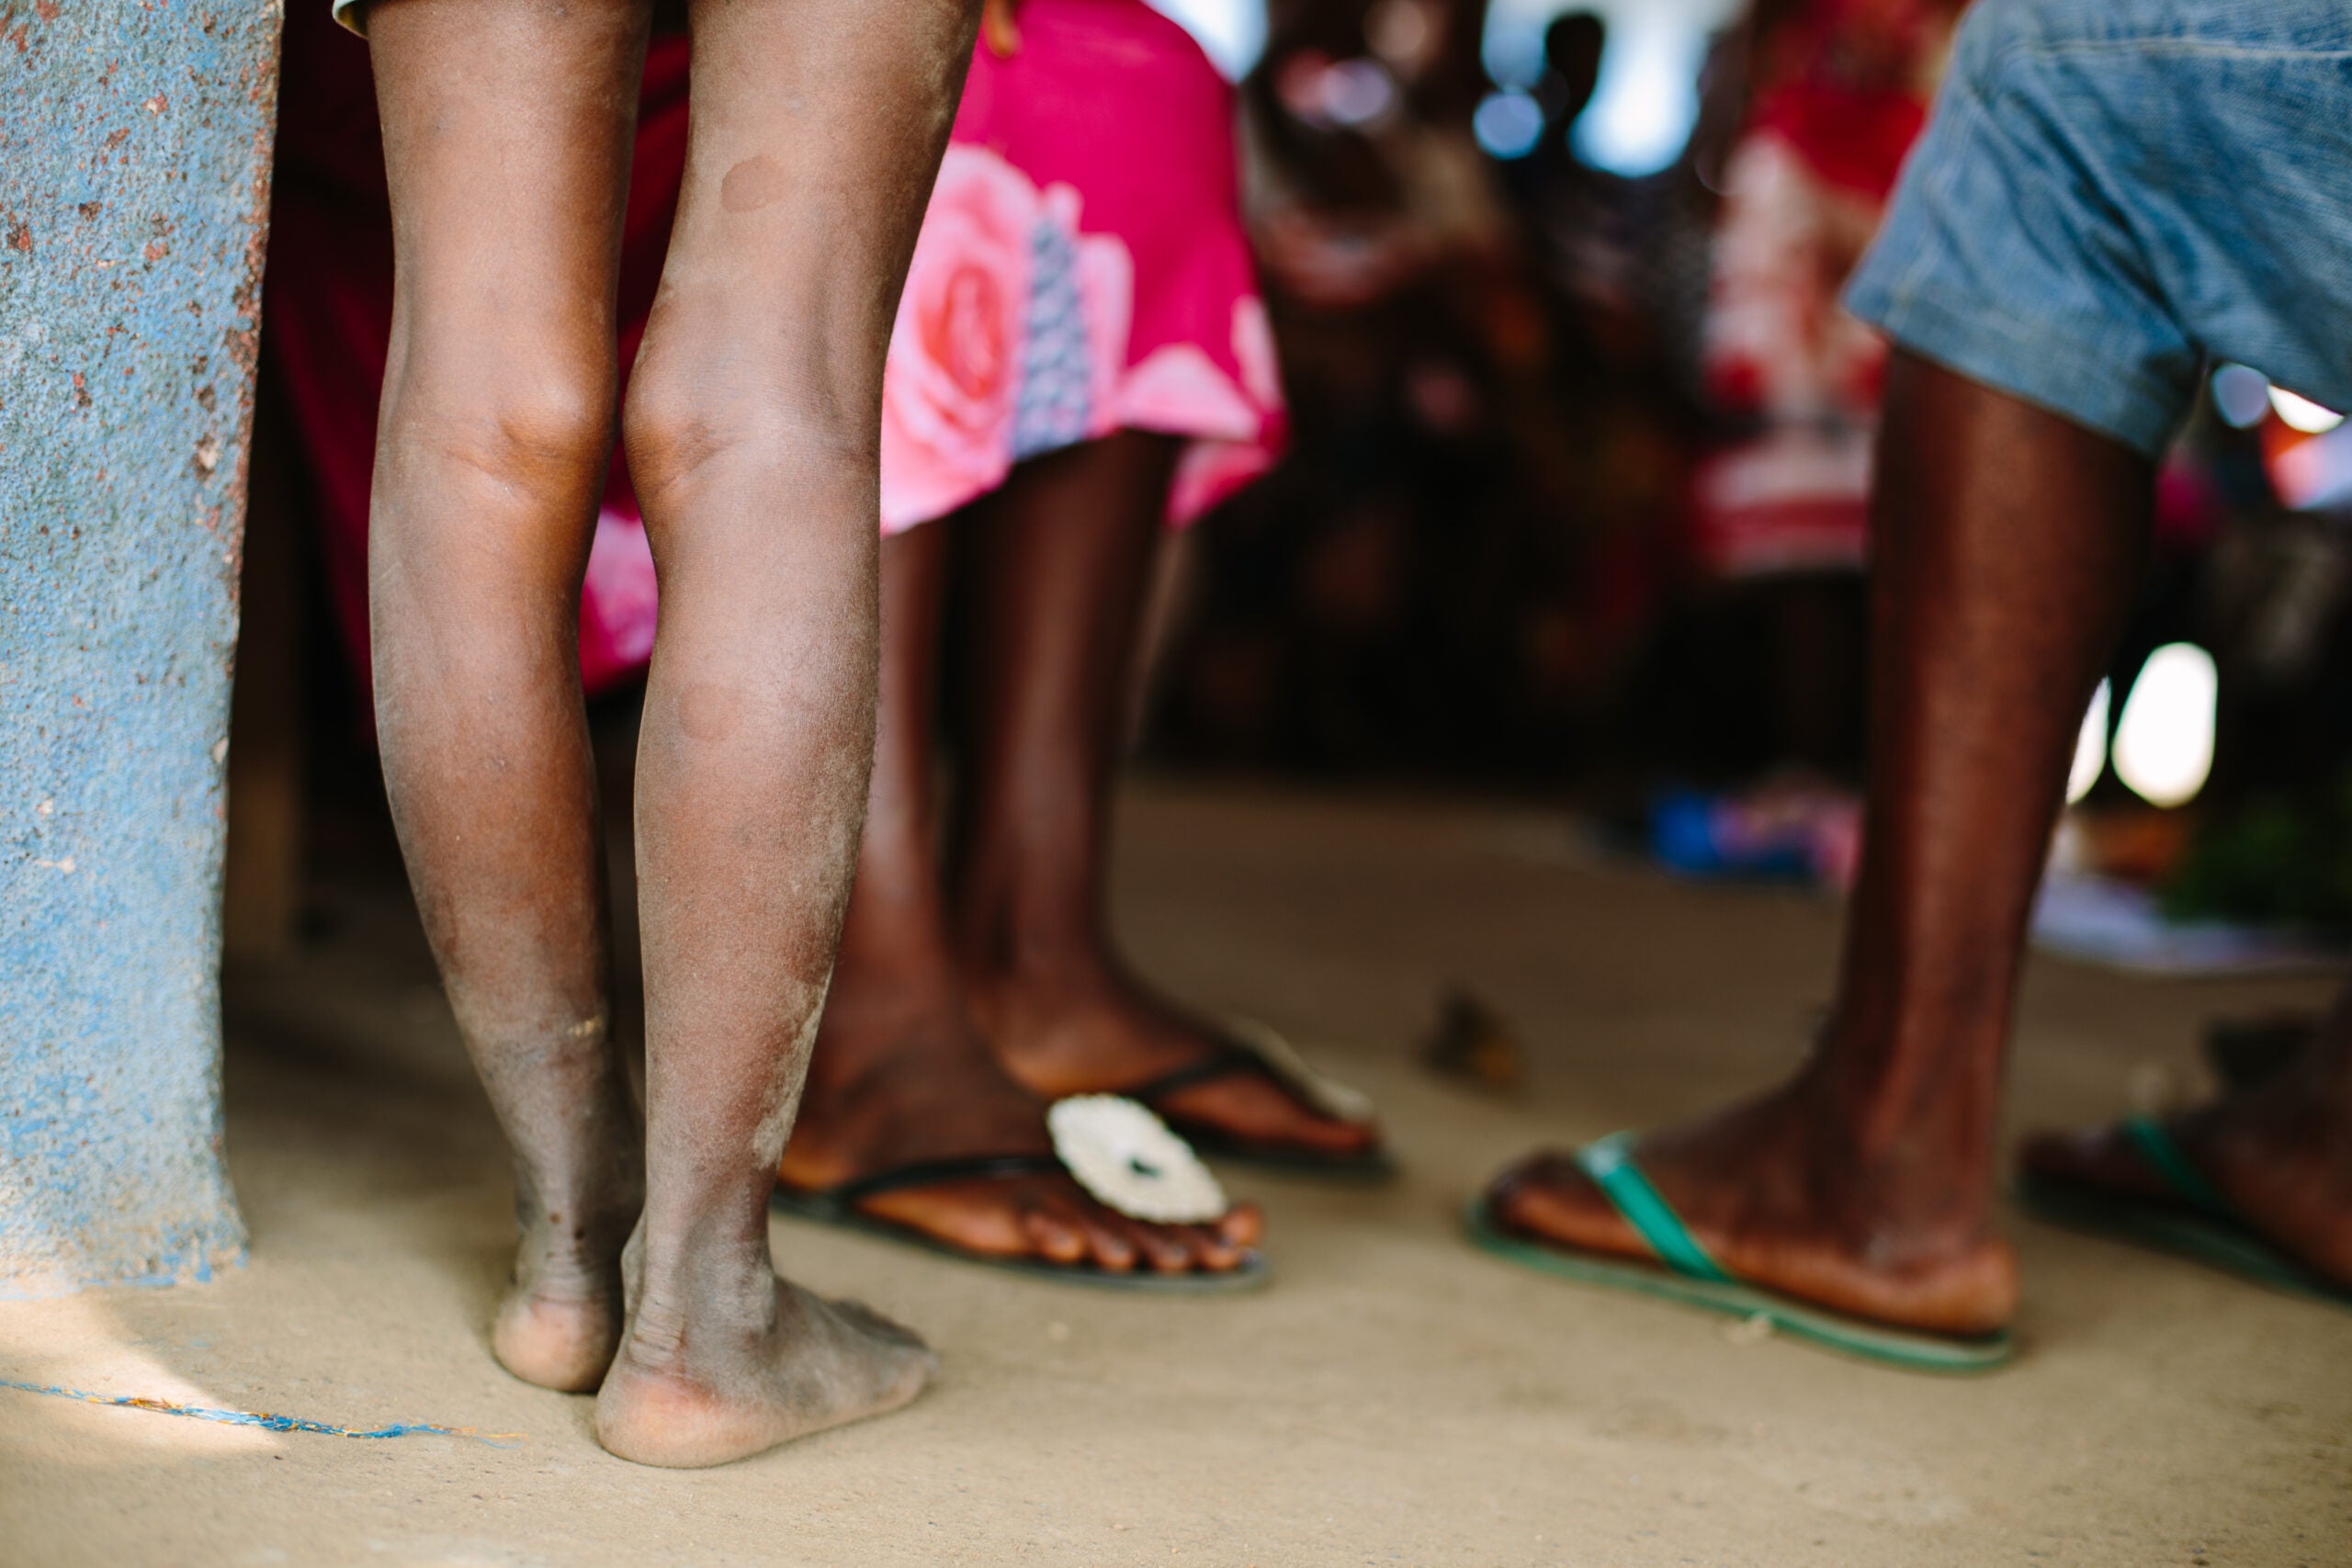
pixel 1548 1197
pixel 1166 1249
pixel 1211 1250
pixel 1518 1186
pixel 1054 1231
pixel 1111 1241
pixel 1243 1227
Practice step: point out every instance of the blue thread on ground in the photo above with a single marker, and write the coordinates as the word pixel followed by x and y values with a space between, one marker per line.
pixel 267 1423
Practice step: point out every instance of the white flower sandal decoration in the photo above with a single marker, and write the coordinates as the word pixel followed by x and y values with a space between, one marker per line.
pixel 1131 1164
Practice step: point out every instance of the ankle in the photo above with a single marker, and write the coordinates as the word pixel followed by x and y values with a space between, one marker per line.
pixel 681 1302
pixel 1904 1178
pixel 577 1224
pixel 1042 917
pixel 1054 953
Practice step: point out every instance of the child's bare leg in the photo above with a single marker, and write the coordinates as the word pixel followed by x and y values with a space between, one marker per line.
pixel 752 425
pixel 506 137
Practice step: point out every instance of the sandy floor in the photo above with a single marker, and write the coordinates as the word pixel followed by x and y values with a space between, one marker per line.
pixel 1394 1398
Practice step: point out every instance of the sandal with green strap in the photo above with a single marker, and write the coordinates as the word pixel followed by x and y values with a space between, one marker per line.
pixel 1684 1272
pixel 2196 1221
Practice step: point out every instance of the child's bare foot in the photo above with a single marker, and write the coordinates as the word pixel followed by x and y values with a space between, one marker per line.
pixel 559 1322
pixel 712 1371
pixel 1774 1193
pixel 900 1078
pixel 558 1336
pixel 1082 1026
pixel 2279 1153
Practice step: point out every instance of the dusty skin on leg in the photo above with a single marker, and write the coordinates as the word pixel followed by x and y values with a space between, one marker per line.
pixel 2007 543
pixel 752 432
pixel 900 1076
pixel 496 422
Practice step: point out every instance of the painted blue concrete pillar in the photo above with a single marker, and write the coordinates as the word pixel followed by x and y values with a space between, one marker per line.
pixel 134 162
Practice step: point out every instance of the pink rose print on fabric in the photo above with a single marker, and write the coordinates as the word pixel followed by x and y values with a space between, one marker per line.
pixel 1012 337
pixel 617 602
pixel 955 364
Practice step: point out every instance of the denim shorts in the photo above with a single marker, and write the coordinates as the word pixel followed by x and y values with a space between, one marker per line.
pixel 2113 192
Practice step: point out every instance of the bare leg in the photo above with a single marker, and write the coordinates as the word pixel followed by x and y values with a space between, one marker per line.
pixel 751 427
pixel 899 1075
pixel 2006 543
pixel 506 139
pixel 1066 556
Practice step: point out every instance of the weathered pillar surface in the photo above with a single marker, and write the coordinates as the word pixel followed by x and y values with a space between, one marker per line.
pixel 134 159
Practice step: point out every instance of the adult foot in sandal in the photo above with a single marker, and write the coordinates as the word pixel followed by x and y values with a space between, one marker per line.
pixel 1064 557
pixel 898 1079
pixel 902 1082
pixel 2004 544
pixel 2274 1158
pixel 1779 1199
pixel 1079 1024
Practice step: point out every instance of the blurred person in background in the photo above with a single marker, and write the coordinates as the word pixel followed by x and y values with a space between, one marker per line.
pixel 2109 195
pixel 1836 92
pixel 1412 588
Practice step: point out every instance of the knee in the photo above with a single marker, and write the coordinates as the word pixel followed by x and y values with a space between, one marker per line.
pixel 693 417
pixel 541 427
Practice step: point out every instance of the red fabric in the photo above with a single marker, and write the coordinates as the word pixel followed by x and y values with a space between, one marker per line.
pixel 1855 138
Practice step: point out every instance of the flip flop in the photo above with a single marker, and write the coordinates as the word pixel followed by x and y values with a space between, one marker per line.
pixel 1685 1274
pixel 839 1207
pixel 2198 1222
pixel 1256 1050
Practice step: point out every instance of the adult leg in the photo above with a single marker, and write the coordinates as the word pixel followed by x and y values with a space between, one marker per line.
pixel 506 142
pixel 899 1075
pixel 751 427
pixel 2007 543
pixel 1065 558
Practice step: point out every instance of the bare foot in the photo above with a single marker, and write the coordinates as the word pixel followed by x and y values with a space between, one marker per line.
pixel 558 1337
pixel 2280 1152
pixel 1083 1027
pixel 900 1079
pixel 1772 1191
pixel 707 1374
pixel 559 1322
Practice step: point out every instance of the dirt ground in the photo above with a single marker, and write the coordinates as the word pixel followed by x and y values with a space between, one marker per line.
pixel 1393 1397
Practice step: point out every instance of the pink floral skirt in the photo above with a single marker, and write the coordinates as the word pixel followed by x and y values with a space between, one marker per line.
pixel 1083 269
